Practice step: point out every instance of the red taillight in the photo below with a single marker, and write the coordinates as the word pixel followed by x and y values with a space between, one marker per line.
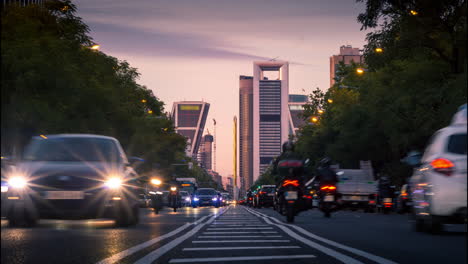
pixel 371 202
pixel 250 199
pixel 443 166
pixel 387 204
pixel 294 183
pixel 328 187
pixel 262 192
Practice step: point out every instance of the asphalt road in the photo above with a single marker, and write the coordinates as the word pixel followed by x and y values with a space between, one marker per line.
pixel 233 234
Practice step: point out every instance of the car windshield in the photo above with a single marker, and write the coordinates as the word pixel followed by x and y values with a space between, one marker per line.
pixel 72 149
pixel 206 192
pixel 457 144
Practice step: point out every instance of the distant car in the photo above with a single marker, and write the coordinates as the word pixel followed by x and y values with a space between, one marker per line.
pixel 72 176
pixel 226 198
pixel 438 185
pixel 265 195
pixel 206 197
pixel 186 200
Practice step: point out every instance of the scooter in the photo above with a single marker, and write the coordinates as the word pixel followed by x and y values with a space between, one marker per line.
pixel 289 198
pixel 174 198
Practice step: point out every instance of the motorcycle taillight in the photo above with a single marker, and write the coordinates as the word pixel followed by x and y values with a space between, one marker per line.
pixel 294 183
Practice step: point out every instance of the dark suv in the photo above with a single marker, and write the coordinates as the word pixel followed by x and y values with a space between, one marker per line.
pixel 206 197
pixel 72 176
pixel 264 196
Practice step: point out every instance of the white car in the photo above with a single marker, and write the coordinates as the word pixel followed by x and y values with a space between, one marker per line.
pixel 438 185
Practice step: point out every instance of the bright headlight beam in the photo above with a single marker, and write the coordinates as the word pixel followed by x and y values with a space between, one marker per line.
pixel 17 182
pixel 113 183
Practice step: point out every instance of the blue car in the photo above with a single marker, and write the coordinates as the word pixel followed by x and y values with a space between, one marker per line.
pixel 206 197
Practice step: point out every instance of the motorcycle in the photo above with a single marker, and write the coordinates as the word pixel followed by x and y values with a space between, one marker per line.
pixel 328 197
pixel 174 198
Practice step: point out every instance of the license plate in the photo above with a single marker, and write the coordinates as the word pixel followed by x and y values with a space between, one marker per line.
pixel 271 194
pixel 329 198
pixel 64 195
pixel 290 195
pixel 356 198
pixel 387 200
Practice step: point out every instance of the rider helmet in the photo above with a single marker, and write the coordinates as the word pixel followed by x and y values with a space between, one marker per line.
pixel 288 146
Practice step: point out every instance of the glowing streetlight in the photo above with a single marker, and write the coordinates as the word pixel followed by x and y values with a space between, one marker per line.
pixel 359 71
pixel 330 101
pixel 414 12
pixel 314 119
pixel 320 111
pixel 150 112
pixel 379 50
pixel 95 47
pixel 143 100
pixel 156 181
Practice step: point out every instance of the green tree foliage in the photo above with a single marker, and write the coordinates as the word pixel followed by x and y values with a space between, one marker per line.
pixel 52 82
pixel 408 91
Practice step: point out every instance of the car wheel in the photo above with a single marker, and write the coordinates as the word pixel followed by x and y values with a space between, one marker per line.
pixel 18 216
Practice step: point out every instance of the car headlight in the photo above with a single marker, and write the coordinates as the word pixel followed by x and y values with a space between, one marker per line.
pixel 173 189
pixel 196 199
pixel 215 199
pixel 4 188
pixel 156 181
pixel 17 182
pixel 113 183
pixel 187 199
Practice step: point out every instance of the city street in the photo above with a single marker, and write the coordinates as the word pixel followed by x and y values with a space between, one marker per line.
pixel 234 234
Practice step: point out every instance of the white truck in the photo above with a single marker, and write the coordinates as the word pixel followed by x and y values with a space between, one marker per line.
pixel 357 188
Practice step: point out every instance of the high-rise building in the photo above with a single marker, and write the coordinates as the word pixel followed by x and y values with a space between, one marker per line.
pixel 270 112
pixel 296 108
pixel 189 119
pixel 347 55
pixel 205 152
pixel 245 133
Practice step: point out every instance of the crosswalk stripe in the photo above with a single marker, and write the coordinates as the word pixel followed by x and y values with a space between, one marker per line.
pixel 237 248
pixel 240 241
pixel 188 260
pixel 241 232
pixel 215 236
pixel 237 228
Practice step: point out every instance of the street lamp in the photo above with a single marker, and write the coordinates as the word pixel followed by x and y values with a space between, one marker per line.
pixel 150 112
pixel 156 181
pixel 95 47
pixel 414 12
pixel 330 101
pixel 314 119
pixel 143 100
pixel 378 50
pixel 320 111
pixel 360 71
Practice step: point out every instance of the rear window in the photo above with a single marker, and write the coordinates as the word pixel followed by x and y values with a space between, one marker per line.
pixel 268 189
pixel 457 144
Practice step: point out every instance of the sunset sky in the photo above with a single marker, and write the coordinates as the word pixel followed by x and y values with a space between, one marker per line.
pixel 196 49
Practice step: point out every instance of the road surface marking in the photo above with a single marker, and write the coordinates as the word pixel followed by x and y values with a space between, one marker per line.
pixel 237 228
pixel 236 248
pixel 335 254
pixel 333 243
pixel 215 236
pixel 154 255
pixel 188 260
pixel 252 232
pixel 240 241
pixel 116 257
pixel 218 225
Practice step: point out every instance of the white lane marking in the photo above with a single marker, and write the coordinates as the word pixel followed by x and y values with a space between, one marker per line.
pixel 116 257
pixel 236 248
pixel 251 232
pixel 328 251
pixel 237 225
pixel 240 241
pixel 215 236
pixel 154 255
pixel 188 260
pixel 338 245
pixel 237 228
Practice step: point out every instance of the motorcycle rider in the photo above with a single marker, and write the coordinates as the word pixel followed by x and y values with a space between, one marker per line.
pixel 287 154
pixel 325 174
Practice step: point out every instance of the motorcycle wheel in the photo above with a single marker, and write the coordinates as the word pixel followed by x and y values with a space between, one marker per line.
pixel 156 210
pixel 289 214
pixel 175 209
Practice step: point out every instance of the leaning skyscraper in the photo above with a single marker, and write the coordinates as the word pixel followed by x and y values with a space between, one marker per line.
pixel 189 119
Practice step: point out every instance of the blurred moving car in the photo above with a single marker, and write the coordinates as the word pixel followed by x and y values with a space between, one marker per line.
pixel 206 197
pixel 72 176
pixel 185 196
pixel 438 185
pixel 226 198
pixel 265 196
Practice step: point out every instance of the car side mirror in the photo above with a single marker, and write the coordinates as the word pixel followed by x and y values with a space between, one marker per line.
pixel 133 161
pixel 413 158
